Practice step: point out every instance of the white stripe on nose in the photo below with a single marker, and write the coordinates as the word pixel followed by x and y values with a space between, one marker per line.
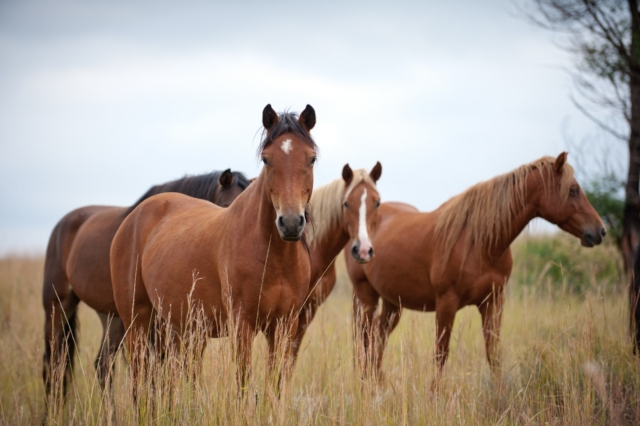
pixel 363 235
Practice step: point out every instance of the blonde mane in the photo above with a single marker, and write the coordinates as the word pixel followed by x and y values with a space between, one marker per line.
pixel 485 209
pixel 326 203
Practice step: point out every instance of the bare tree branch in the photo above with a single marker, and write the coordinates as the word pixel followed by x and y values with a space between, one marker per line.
pixel 600 124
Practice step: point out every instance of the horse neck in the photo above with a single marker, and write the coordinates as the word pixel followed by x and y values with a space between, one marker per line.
pixel 522 214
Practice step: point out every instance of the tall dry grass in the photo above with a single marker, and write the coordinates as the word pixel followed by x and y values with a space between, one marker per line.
pixel 566 359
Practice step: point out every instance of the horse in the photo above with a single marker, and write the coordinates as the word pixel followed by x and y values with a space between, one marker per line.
pixel 345 210
pixel 77 269
pixel 459 254
pixel 245 268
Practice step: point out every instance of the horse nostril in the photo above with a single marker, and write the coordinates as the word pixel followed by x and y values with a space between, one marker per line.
pixel 371 252
pixel 301 220
pixel 280 222
pixel 603 231
pixel 354 250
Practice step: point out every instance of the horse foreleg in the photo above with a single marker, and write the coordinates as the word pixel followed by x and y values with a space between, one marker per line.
pixel 365 303
pixel 280 338
pixel 304 319
pixel 446 308
pixel 386 323
pixel 244 340
pixel 363 315
pixel 318 295
pixel 491 311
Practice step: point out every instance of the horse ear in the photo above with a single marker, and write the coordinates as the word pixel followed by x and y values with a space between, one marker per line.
pixel 376 172
pixel 562 158
pixel 307 118
pixel 226 178
pixel 269 117
pixel 347 174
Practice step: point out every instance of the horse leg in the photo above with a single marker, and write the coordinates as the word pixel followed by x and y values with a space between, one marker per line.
pixel 60 338
pixel 326 284
pixel 280 335
pixel 446 308
pixel 386 323
pixel 138 347
pixel 491 311
pixel 365 302
pixel 304 319
pixel 113 335
pixel 244 340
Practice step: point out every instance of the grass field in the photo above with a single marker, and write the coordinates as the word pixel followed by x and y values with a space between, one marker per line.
pixel 566 359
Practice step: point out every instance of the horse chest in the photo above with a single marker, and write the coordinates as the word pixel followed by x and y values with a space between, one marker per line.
pixel 270 288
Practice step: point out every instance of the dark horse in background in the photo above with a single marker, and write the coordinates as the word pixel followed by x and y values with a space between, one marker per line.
pixel 77 269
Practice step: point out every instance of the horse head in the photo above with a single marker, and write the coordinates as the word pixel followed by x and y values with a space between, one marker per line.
pixel 288 154
pixel 566 205
pixel 360 209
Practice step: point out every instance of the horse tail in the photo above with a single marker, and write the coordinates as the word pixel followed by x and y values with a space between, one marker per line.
pixel 634 305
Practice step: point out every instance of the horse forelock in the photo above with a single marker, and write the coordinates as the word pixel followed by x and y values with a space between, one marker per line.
pixel 485 209
pixel 326 203
pixel 359 176
pixel 287 123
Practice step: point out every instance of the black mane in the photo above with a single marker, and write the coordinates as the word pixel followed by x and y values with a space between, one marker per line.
pixel 198 186
pixel 287 123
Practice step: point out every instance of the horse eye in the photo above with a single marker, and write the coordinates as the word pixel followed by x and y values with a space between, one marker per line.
pixel 313 160
pixel 574 191
pixel 264 160
pixel 377 204
pixel 346 206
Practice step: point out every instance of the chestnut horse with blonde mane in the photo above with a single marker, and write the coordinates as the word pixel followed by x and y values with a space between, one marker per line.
pixel 77 269
pixel 345 210
pixel 459 254
pixel 247 264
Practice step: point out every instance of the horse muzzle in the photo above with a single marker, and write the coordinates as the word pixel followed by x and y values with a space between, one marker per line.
pixel 291 226
pixel 362 253
pixel 592 238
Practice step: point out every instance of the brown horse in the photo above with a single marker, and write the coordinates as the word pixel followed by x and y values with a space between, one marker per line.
pixel 247 265
pixel 459 254
pixel 343 210
pixel 77 269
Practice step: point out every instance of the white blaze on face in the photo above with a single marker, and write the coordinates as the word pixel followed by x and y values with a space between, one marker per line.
pixel 286 146
pixel 363 235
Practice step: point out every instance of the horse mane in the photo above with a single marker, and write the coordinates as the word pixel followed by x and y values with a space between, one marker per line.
pixel 199 186
pixel 326 203
pixel 287 123
pixel 485 209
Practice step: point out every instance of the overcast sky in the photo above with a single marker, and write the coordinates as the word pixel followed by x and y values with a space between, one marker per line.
pixel 101 100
